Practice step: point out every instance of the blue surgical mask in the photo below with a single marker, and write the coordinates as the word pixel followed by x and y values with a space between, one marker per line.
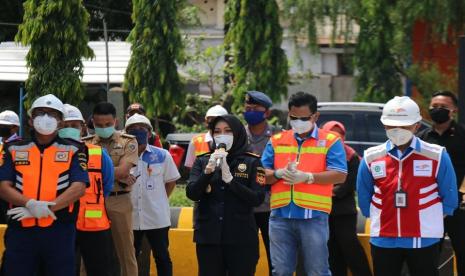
pixel 104 132
pixel 141 136
pixel 70 133
pixel 254 117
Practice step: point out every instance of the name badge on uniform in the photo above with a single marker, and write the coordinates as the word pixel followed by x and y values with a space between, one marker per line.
pixel 401 199
pixel 378 169
pixel 423 168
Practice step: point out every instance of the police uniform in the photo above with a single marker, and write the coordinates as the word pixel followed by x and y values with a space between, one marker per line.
pixel 44 173
pixel 119 207
pixel 225 232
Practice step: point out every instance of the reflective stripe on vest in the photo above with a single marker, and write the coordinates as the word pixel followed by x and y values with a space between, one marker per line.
pixel 200 145
pixel 311 157
pixel 42 176
pixel 92 213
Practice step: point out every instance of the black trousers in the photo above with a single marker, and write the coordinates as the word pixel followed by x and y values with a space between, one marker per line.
pixel 455 228
pixel 159 242
pixel 345 250
pixel 98 252
pixel 420 261
pixel 230 260
pixel 262 221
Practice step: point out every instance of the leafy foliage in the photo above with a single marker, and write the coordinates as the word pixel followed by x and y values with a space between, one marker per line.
pixel 383 45
pixel 54 58
pixel 253 41
pixel 152 77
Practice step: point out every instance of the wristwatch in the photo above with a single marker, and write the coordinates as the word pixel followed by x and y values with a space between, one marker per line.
pixel 310 178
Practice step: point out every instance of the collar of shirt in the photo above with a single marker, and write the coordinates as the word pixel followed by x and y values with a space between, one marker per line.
pixel 12 138
pixel 449 131
pixel 394 150
pixel 208 137
pixel 311 134
pixel 266 133
pixel 152 155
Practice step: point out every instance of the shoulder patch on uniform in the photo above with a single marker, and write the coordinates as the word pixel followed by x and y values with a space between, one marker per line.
pixel 132 146
pixel 261 177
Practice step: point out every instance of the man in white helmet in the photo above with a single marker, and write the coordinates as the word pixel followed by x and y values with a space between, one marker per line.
pixel 93 237
pixel 200 144
pixel 9 126
pixel 42 178
pixel 156 175
pixel 405 186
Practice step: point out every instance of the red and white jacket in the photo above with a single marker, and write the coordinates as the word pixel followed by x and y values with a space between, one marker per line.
pixel 416 175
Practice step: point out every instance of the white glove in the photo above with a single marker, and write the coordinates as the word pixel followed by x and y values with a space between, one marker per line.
pixel 19 213
pixel 295 177
pixel 225 172
pixel 210 165
pixel 279 173
pixel 40 209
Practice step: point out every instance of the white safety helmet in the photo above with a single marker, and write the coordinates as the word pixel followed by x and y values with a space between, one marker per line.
pixel 215 111
pixel 72 113
pixel 9 118
pixel 137 119
pixel 400 111
pixel 49 101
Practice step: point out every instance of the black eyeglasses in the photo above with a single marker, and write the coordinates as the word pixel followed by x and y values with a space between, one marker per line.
pixel 300 118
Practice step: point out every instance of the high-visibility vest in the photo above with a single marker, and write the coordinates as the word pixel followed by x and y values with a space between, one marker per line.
pixel 42 176
pixel 92 213
pixel 310 157
pixel 416 175
pixel 201 146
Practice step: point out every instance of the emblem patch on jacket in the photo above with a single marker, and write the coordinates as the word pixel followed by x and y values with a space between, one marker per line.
pixel 62 156
pixel 261 178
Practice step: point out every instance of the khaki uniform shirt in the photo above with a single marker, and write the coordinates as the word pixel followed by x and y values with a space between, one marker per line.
pixel 120 146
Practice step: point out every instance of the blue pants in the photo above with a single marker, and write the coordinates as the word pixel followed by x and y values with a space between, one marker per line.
pixel 51 248
pixel 310 236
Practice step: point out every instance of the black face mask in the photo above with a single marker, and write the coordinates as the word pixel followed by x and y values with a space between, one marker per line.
pixel 439 115
pixel 5 131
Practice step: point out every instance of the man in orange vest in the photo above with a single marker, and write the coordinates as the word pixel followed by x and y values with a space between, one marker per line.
pixel 93 237
pixel 301 165
pixel 200 143
pixel 42 178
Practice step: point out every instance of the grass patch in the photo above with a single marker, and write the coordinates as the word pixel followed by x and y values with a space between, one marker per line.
pixel 178 197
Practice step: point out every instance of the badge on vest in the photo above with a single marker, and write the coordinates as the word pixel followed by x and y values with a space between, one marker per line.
pixel 423 168
pixel 61 156
pixel 378 169
pixel 21 156
pixel 401 199
pixel 321 143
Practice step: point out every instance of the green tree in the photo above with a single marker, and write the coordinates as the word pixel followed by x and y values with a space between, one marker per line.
pixel 253 41
pixel 152 77
pixel 56 32
pixel 383 44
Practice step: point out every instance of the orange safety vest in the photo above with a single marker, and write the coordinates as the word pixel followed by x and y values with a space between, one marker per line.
pixel 42 176
pixel 200 145
pixel 310 157
pixel 92 213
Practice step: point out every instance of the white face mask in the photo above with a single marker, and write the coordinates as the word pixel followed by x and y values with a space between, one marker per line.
pixel 399 136
pixel 224 139
pixel 299 126
pixel 45 124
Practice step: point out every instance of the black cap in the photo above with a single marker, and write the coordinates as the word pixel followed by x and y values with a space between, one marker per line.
pixel 260 98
